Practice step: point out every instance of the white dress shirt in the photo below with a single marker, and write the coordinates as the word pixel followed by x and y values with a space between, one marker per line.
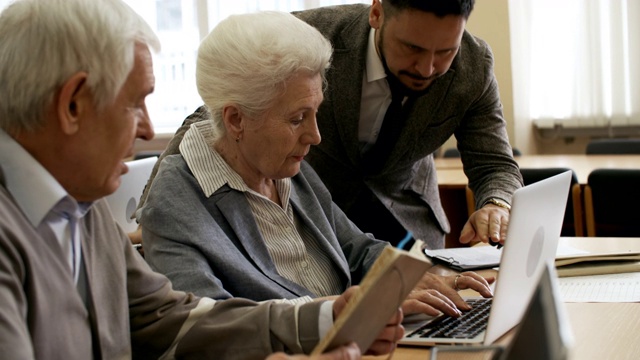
pixel 376 96
pixel 42 199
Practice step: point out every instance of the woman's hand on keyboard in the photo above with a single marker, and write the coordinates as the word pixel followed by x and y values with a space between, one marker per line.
pixel 436 294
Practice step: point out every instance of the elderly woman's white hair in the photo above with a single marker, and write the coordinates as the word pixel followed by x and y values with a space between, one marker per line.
pixel 44 42
pixel 247 59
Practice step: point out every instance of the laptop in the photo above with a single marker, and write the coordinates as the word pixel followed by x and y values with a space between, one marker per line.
pixel 543 333
pixel 124 201
pixel 537 213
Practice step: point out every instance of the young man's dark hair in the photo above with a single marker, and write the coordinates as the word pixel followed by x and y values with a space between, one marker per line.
pixel 440 8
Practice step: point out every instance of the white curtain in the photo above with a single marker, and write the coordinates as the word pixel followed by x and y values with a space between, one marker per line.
pixel 576 63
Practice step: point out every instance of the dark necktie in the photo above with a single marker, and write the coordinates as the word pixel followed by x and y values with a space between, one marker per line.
pixel 376 157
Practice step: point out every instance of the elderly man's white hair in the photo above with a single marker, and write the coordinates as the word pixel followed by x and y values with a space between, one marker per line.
pixel 247 59
pixel 44 42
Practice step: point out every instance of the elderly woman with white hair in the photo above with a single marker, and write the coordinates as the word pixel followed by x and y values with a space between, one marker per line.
pixel 239 213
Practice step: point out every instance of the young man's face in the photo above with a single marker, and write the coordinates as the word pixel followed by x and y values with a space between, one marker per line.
pixel 416 46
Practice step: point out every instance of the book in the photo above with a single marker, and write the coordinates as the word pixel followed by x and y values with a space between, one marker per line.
pixel 385 286
pixel 569 261
pixel 591 258
pixel 598 264
pixel 599 268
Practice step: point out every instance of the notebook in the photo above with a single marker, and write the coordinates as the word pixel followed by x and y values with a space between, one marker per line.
pixel 537 213
pixel 124 201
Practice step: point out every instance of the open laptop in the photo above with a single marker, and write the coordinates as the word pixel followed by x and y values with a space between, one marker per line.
pixel 543 333
pixel 124 201
pixel 537 213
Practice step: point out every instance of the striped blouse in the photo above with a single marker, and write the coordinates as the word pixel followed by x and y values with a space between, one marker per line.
pixel 294 251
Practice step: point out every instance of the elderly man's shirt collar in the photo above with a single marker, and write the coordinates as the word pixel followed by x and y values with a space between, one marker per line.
pixel 34 189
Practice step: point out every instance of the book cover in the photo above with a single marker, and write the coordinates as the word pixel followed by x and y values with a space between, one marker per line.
pixel 599 268
pixel 382 291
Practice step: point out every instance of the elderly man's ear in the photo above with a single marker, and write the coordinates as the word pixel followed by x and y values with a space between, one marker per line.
pixel 73 101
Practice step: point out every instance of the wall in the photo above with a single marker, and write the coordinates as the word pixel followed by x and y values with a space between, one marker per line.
pixel 490 22
pixel 159 143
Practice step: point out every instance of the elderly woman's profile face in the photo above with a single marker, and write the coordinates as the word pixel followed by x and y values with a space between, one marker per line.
pixel 273 147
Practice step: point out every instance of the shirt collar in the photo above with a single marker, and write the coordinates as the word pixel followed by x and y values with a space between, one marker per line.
pixel 34 189
pixel 375 68
pixel 209 168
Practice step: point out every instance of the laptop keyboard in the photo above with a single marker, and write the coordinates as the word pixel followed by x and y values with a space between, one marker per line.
pixel 467 326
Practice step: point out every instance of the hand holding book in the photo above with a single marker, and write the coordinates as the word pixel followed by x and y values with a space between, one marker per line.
pixel 366 310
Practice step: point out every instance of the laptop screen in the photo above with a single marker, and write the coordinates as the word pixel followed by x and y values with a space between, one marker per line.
pixel 124 201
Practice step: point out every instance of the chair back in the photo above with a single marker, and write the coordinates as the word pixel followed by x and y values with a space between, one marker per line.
pixel 613 146
pixel 610 198
pixel 573 224
pixel 451 153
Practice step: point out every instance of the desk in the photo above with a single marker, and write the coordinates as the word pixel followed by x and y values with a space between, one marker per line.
pixel 452 180
pixel 450 169
pixel 600 330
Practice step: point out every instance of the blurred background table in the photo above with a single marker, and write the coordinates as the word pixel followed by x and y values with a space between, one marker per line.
pixel 452 181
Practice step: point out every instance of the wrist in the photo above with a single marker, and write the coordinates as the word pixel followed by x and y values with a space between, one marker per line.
pixel 497 202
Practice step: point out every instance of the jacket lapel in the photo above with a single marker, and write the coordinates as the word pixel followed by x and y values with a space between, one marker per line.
pixel 346 86
pixel 419 111
pixel 236 210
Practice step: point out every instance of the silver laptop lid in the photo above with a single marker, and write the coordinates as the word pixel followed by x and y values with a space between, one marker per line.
pixel 544 333
pixel 535 223
pixel 124 201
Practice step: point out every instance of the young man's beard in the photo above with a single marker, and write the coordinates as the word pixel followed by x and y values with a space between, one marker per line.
pixel 392 78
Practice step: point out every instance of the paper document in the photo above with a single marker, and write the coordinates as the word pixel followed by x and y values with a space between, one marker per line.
pixel 597 263
pixel 467 258
pixel 565 251
pixel 482 257
pixel 601 288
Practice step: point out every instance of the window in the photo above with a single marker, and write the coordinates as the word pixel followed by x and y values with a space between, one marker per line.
pixel 576 63
pixel 180 25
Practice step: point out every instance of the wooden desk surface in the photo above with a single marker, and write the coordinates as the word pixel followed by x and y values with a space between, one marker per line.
pixel 450 169
pixel 600 330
